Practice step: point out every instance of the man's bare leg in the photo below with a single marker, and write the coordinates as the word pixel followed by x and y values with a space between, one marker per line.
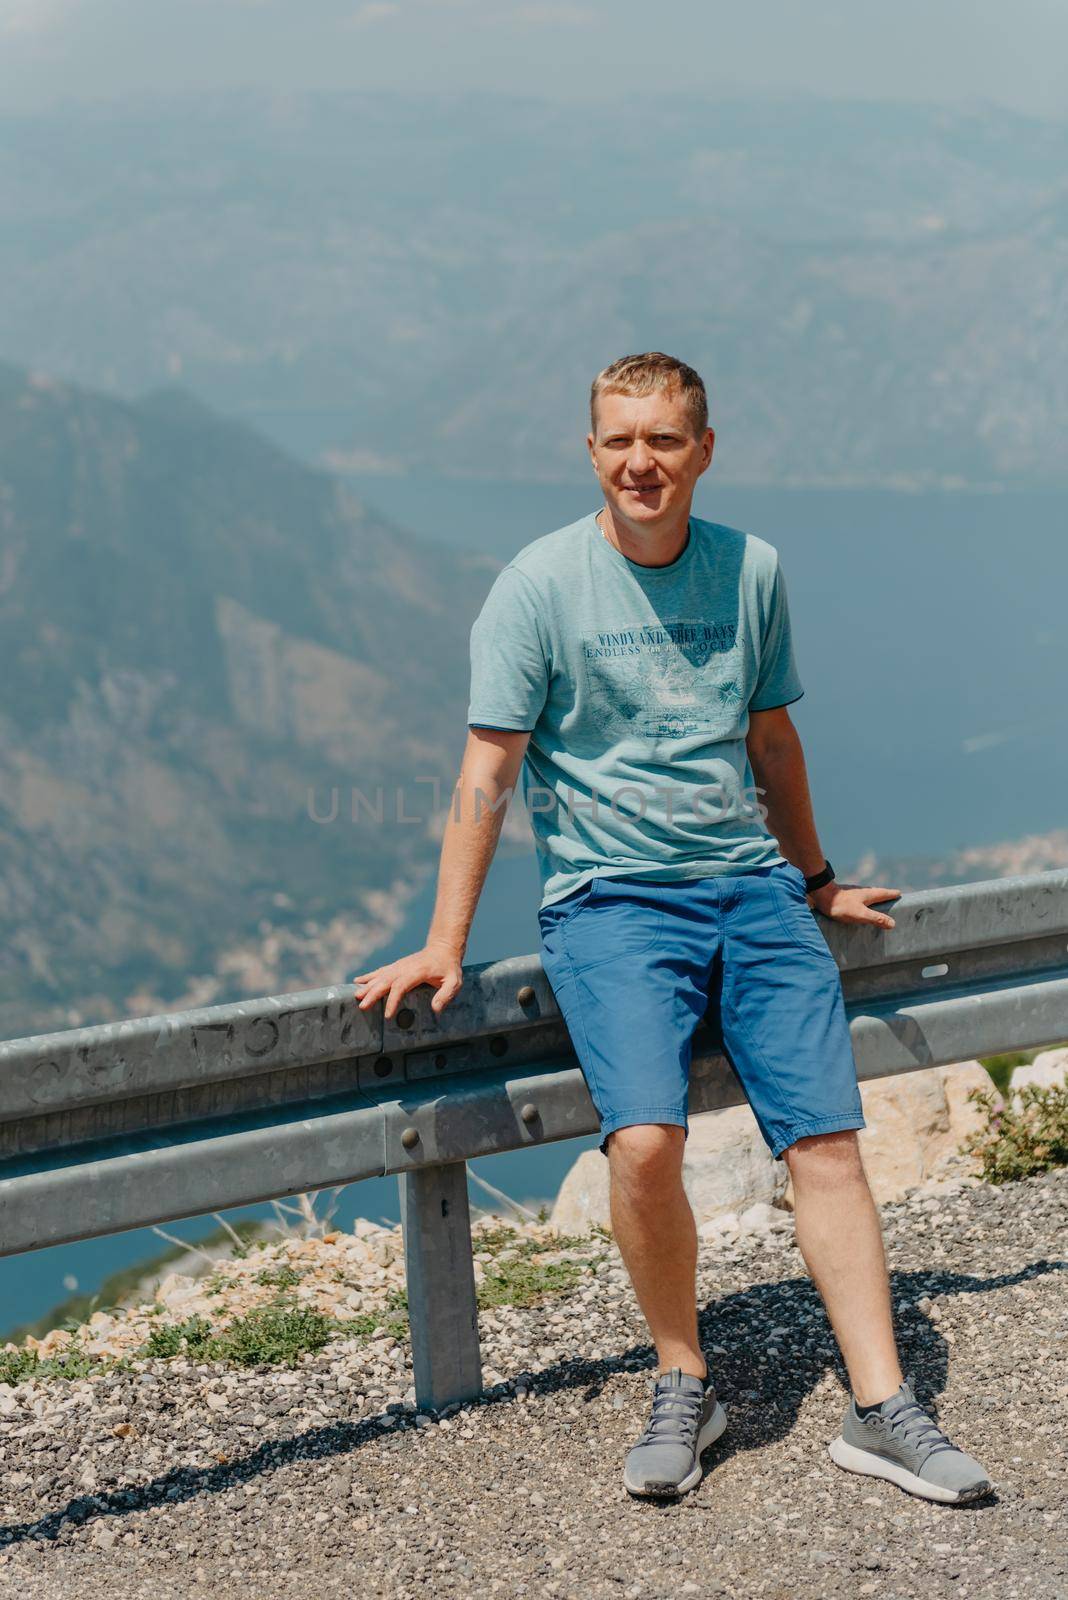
pixel 840 1238
pixel 654 1228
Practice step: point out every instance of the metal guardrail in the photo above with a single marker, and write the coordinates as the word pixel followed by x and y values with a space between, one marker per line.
pixel 126 1124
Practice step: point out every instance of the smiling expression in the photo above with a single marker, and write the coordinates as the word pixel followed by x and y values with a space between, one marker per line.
pixel 647 458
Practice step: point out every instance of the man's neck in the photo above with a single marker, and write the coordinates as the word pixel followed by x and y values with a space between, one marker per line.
pixel 648 546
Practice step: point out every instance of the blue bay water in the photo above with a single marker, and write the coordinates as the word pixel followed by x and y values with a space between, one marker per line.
pixel 930 639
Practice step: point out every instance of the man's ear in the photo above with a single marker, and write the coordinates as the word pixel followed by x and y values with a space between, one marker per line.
pixel 589 447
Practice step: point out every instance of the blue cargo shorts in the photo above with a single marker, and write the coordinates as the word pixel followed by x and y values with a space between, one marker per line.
pixel 637 965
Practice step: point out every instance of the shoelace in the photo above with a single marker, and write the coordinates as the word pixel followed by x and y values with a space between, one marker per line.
pixel 673 1410
pixel 917 1428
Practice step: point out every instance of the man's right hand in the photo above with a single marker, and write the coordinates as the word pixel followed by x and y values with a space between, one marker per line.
pixel 436 964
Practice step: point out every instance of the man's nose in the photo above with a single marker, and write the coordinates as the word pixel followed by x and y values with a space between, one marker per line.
pixel 639 459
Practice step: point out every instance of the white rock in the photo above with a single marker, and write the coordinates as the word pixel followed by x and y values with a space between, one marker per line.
pixel 176 1288
pixel 726 1167
pixel 1047 1071
pixel 726 1226
pixel 763 1218
pixel 363 1227
pixel 582 1200
pixel 916 1122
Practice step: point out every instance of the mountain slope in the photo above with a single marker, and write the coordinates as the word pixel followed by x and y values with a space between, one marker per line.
pixel 200 640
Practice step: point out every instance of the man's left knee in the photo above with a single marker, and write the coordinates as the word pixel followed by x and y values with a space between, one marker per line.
pixel 831 1155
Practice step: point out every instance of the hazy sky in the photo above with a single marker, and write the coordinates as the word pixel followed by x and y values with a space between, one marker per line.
pixel 936 50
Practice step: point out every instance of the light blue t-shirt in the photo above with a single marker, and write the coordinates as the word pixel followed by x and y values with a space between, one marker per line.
pixel 636 683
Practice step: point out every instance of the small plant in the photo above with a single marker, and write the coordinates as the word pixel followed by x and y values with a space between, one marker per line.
pixel 279 1277
pixel 268 1335
pixel 369 1323
pixel 395 1322
pixel 1024 1134
pixel 505 1237
pixel 517 1277
pixel 192 1337
pixel 523 1282
pixel 274 1336
pixel 360 1327
pixel 27 1362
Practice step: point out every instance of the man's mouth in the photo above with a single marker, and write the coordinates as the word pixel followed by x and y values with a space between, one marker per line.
pixel 642 488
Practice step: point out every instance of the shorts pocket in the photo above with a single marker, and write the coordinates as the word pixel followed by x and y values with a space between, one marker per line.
pixel 622 922
pixel 795 915
pixel 561 911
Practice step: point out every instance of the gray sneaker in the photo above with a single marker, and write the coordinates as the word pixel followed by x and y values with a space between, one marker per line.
pixel 686 1418
pixel 900 1442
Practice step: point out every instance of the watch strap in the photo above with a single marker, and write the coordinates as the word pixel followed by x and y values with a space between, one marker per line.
pixel 818 879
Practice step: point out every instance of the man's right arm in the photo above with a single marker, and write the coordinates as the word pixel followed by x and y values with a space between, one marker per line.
pixel 488 776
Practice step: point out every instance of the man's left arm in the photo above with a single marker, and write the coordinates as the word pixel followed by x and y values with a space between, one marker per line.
pixel 778 764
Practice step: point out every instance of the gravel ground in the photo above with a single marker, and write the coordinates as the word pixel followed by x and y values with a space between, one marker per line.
pixel 203 1481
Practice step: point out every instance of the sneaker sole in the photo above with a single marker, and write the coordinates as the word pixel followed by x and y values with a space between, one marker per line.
pixel 852 1459
pixel 662 1491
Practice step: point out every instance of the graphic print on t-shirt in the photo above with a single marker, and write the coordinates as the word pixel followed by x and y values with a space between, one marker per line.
pixel 665 679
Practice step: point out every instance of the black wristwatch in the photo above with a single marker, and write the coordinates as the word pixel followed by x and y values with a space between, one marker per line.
pixel 818 879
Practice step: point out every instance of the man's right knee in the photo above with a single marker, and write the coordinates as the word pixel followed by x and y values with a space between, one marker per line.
pixel 646 1151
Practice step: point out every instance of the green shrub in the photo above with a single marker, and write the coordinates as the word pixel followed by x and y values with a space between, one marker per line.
pixel 268 1335
pixel 26 1362
pixel 523 1282
pixel 280 1277
pixel 192 1338
pixel 1025 1134
pixel 516 1277
pixel 272 1335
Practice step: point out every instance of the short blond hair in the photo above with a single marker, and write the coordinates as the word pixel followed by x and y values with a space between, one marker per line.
pixel 638 375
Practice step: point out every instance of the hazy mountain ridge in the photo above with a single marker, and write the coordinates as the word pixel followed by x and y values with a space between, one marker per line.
pixel 197 635
pixel 874 292
pixel 1009 858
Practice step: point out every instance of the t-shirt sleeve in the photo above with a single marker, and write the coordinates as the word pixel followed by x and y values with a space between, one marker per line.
pixel 509 671
pixel 777 679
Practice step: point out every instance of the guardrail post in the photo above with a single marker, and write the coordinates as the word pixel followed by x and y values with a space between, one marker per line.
pixel 442 1308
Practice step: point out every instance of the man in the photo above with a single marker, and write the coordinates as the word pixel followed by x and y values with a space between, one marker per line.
pixel 638 666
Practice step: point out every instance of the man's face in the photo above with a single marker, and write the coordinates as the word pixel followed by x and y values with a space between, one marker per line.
pixel 646 457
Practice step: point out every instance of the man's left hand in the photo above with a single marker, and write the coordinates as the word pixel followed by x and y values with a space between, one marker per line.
pixel 849 902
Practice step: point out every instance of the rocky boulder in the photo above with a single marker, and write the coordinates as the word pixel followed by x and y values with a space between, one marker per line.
pixel 726 1168
pixel 916 1124
pixel 1047 1071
